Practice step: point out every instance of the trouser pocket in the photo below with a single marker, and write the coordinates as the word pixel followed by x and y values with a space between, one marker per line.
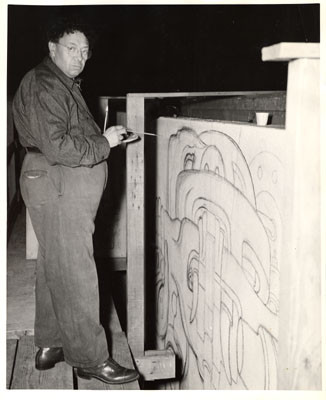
pixel 39 186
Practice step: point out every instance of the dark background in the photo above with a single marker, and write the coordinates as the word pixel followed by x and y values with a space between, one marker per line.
pixel 162 48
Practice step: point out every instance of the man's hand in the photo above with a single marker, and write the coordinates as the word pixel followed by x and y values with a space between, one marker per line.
pixel 115 134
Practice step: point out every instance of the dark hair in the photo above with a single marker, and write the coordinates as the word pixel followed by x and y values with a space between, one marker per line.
pixel 58 27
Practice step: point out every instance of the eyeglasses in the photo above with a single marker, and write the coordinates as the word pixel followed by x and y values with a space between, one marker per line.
pixel 74 51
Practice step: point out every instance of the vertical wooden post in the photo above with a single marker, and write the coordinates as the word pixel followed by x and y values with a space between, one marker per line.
pixel 103 102
pixel 300 312
pixel 135 228
pixel 299 349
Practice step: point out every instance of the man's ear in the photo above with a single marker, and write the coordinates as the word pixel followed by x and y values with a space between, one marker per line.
pixel 51 48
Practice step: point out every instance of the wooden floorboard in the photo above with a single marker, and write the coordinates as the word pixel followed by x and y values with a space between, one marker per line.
pixel 22 374
pixel 11 355
pixel 26 376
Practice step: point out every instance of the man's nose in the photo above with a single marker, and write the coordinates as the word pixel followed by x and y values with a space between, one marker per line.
pixel 79 55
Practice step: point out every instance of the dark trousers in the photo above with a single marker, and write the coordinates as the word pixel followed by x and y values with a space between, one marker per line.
pixel 63 203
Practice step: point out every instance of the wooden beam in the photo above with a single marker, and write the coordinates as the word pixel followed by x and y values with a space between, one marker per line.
pixel 300 350
pixel 290 51
pixel 135 229
pixel 165 95
pixel 156 365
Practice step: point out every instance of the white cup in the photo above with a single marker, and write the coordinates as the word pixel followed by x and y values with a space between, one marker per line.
pixel 262 118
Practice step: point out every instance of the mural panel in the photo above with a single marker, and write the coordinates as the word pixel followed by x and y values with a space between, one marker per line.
pixel 219 232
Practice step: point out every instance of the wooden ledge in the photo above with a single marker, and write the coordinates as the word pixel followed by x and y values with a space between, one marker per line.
pixel 156 365
pixel 287 51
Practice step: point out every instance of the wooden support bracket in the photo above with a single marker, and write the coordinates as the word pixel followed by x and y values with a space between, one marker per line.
pixel 156 365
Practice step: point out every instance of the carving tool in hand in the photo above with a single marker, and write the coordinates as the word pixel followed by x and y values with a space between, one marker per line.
pixel 129 131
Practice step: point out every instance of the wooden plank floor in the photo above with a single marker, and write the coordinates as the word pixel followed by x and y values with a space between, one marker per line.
pixel 21 372
pixel 20 283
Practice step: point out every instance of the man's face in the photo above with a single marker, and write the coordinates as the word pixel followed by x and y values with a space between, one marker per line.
pixel 70 53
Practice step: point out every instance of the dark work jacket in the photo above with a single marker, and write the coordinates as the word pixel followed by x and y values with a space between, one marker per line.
pixel 50 114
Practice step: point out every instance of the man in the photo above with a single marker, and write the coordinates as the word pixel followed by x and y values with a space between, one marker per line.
pixel 63 177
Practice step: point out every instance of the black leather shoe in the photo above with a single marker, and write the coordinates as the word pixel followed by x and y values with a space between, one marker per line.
pixel 109 372
pixel 47 357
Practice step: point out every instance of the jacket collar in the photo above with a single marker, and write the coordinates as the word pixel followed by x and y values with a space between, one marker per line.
pixel 68 82
pixel 62 76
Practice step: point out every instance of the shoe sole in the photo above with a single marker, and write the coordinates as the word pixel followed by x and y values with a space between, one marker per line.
pixel 89 377
pixel 40 368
